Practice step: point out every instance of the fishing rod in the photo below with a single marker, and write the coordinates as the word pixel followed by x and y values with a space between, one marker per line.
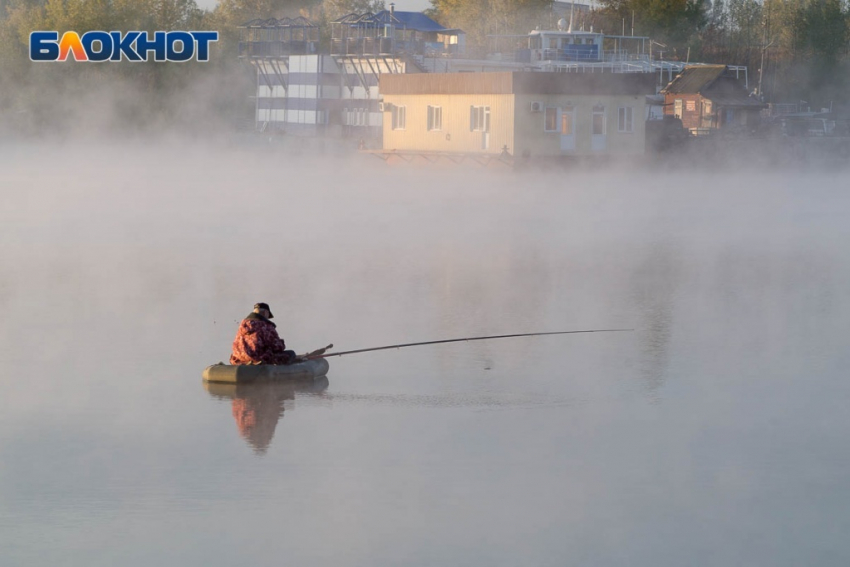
pixel 320 353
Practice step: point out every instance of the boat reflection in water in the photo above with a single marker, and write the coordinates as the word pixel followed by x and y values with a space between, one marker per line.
pixel 258 407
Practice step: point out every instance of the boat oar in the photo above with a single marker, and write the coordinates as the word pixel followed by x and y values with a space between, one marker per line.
pixel 467 339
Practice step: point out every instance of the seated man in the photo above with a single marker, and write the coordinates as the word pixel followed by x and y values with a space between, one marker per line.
pixel 257 341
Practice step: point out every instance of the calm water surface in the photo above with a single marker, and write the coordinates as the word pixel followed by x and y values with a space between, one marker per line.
pixel 715 434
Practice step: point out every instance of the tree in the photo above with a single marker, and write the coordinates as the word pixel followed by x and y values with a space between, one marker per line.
pixel 237 12
pixel 334 9
pixel 675 22
pixel 823 32
pixel 490 17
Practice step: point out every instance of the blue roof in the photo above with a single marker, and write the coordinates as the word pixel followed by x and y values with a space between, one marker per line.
pixel 414 21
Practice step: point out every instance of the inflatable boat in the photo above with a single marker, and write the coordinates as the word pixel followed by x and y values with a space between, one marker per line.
pixel 248 373
pixel 288 389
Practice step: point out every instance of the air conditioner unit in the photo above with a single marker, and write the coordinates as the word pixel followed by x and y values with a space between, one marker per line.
pixel 536 106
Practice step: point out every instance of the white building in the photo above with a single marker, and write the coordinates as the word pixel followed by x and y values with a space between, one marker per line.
pixel 303 92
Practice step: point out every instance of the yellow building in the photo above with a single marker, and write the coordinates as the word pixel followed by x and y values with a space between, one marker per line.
pixel 521 113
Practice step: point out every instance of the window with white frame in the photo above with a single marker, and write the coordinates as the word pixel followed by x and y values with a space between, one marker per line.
pixel 550 119
pixel 624 119
pixel 399 117
pixel 435 118
pixel 479 118
pixel 597 124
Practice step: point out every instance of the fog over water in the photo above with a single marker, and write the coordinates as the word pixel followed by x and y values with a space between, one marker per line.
pixel 715 434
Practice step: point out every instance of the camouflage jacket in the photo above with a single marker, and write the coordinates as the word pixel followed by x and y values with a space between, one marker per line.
pixel 257 341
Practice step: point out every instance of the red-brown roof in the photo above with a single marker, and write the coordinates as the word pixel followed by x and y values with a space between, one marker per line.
pixel 694 78
pixel 713 82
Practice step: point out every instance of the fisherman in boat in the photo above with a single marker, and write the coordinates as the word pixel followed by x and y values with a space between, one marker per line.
pixel 257 341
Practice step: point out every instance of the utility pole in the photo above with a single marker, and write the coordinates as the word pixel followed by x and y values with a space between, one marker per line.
pixel 660 53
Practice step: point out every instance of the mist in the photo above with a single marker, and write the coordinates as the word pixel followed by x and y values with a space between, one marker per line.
pixel 143 216
pixel 714 430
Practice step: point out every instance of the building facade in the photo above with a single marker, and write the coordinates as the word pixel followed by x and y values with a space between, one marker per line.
pixel 306 93
pixel 708 98
pixel 312 95
pixel 516 113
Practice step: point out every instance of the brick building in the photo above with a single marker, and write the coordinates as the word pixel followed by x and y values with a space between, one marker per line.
pixel 708 98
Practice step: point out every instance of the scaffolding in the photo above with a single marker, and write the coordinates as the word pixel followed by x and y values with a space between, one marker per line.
pixel 278 38
pixel 366 70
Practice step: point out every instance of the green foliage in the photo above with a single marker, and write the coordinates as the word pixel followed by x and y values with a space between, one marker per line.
pixel 823 29
pixel 673 22
pixel 794 49
pixel 823 34
pixel 58 97
pixel 334 9
pixel 237 12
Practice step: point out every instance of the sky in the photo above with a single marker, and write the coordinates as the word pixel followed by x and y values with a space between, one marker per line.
pixel 403 5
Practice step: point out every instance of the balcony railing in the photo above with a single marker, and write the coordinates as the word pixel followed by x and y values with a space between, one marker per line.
pixel 379 46
pixel 276 48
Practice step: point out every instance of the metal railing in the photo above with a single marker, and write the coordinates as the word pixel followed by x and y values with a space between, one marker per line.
pixel 276 48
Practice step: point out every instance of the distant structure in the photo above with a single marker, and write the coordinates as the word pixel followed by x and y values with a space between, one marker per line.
pixel 567 50
pixel 273 38
pixel 708 98
pixel 511 114
pixel 390 33
pixel 313 86
pixel 304 92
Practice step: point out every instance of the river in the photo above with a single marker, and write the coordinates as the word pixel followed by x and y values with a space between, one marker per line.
pixel 713 434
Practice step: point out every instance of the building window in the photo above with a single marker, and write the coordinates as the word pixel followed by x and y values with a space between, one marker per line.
pixel 435 118
pixel 479 118
pixel 598 123
pixel 399 117
pixel 624 119
pixel 677 108
pixel 356 117
pixel 550 120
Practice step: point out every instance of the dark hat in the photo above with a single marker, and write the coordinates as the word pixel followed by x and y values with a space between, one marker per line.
pixel 264 306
